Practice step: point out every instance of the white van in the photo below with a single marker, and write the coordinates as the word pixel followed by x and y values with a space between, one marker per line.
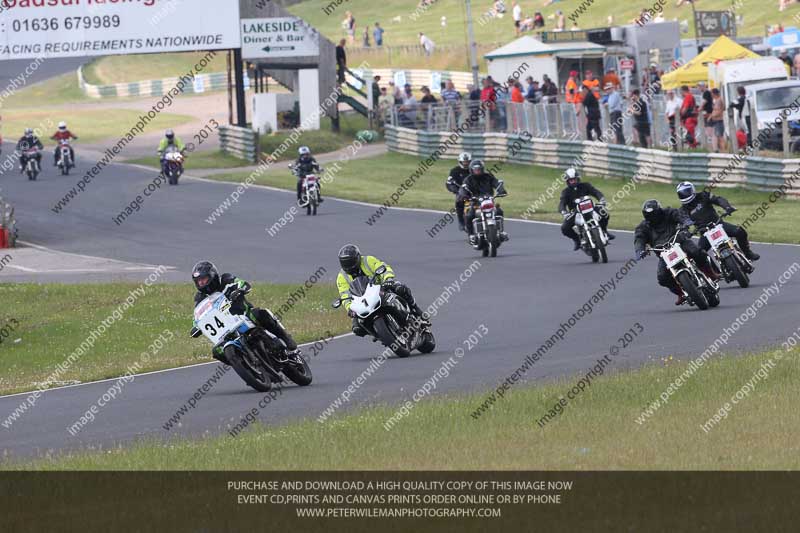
pixel 765 101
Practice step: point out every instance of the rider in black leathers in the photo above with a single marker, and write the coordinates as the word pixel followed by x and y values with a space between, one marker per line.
pixel 455 180
pixel 657 228
pixel 27 141
pixel 577 189
pixel 480 183
pixel 208 280
pixel 306 164
pixel 700 208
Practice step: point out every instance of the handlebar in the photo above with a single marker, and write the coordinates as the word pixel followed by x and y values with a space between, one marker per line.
pixel 669 244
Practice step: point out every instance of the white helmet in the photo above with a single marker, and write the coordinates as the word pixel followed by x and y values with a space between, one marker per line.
pixel 62 125
pixel 304 150
pixel 686 192
pixel 464 158
pixel 572 177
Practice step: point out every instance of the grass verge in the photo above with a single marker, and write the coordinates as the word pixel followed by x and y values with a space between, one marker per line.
pixel 54 319
pixel 62 89
pixel 374 179
pixel 138 67
pixel 319 141
pixel 205 159
pixel 90 125
pixel 597 430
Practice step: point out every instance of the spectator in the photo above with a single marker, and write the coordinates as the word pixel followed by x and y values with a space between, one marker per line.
pixel 385 104
pixel 516 14
pixel 427 96
pixel 489 102
pixel 689 116
pixel 654 80
pixel 516 92
pixel 592 83
pixel 450 95
pixel 718 121
pixel 426 43
pixel 706 107
pixel 611 77
pixel 744 116
pixel 341 62
pixel 640 117
pixel 784 56
pixel 592 109
pixel 672 110
pixel 538 20
pixel 561 22
pixel 571 90
pixel 349 24
pixel 501 97
pixel 474 92
pixel 408 108
pixel 614 104
pixel 376 90
pixel 377 35
pixel 533 94
pixel 549 90
pixel 396 93
pixel 796 63
pixel 366 37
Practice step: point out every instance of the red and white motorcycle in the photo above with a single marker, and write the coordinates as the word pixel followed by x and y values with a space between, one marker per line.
pixel 587 223
pixel 65 162
pixel 697 288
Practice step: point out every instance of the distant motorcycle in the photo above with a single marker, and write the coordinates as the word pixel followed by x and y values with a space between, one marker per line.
pixel 173 168
pixel 487 225
pixel 387 317
pixel 587 223
pixel 257 356
pixel 728 258
pixel 65 162
pixel 32 168
pixel 697 288
pixel 309 194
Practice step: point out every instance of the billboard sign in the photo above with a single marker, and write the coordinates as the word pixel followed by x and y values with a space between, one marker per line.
pixel 75 28
pixel 278 37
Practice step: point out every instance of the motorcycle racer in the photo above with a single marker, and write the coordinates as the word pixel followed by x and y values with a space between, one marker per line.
pixel 566 205
pixel 455 180
pixel 480 183
pixel 169 140
pixel 306 164
pixel 26 142
pixel 62 134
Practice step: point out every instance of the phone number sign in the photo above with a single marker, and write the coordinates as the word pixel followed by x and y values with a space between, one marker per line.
pixel 75 28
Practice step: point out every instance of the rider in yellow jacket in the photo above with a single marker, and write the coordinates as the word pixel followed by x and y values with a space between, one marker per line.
pixel 354 265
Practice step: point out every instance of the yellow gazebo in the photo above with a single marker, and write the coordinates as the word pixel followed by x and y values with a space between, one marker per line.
pixel 696 69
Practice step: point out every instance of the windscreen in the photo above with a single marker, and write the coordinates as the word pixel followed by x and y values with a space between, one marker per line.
pixel 358 286
pixel 777 98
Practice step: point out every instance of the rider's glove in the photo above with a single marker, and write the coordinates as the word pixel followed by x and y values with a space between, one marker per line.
pixel 730 210
pixel 565 214
pixel 351 313
pixel 641 254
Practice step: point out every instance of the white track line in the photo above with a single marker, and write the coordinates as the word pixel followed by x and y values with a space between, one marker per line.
pixel 147 373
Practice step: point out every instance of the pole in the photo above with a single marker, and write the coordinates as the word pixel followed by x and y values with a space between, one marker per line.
pixel 696 36
pixel 473 48
pixel 238 67
pixel 230 89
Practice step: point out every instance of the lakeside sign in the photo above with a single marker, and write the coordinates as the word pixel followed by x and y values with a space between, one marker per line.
pixel 71 28
pixel 278 37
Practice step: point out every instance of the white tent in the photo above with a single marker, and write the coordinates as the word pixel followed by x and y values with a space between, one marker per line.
pixel 531 57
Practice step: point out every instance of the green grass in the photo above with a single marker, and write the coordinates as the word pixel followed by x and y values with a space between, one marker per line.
pixel 121 69
pixel 756 16
pixel 206 159
pixel 54 319
pixel 62 89
pixel 320 141
pixel 90 125
pixel 375 179
pixel 596 431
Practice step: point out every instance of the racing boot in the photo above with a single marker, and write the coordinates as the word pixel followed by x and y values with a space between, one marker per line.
pixel 577 243
pixel 473 241
pixel 750 254
pixel 710 272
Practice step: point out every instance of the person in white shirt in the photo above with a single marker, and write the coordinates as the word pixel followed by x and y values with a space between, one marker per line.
pixel 426 43
pixel 516 14
pixel 672 109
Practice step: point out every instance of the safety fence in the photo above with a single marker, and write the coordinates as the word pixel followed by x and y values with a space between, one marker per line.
pixel 419 77
pixel 8 225
pixel 601 159
pixel 202 83
pixel 239 142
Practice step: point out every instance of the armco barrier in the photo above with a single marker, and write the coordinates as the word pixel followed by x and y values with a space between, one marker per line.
pixel 214 81
pixel 608 160
pixel 239 142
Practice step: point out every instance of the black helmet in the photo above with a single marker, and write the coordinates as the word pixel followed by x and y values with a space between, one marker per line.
pixel 206 277
pixel 572 177
pixel 477 164
pixel 652 211
pixel 686 192
pixel 350 259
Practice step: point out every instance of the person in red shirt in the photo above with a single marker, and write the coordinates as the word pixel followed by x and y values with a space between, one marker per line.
pixel 689 115
pixel 489 102
pixel 63 134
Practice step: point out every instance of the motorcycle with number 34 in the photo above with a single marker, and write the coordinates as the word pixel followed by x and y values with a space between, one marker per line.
pixel 387 317
pixel 697 288
pixel 257 356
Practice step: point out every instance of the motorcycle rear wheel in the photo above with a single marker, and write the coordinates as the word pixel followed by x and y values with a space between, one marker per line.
pixel 257 379
pixel 696 295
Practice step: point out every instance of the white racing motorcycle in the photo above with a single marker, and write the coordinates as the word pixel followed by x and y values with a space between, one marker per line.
pixel 309 194
pixel 65 162
pixel 173 167
pixel 587 223
pixel 730 260
pixel 487 225
pixel 258 356
pixel 387 317
pixel 697 288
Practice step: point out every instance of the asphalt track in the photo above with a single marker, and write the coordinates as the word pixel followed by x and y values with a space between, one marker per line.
pixel 522 296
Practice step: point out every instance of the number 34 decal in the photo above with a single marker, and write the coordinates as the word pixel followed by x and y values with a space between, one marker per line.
pixel 210 327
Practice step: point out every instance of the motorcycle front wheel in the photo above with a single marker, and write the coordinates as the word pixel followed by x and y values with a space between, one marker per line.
pixel 492 240
pixel 298 371
pixel 389 337
pixel 696 295
pixel 732 265
pixel 428 343
pixel 256 378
